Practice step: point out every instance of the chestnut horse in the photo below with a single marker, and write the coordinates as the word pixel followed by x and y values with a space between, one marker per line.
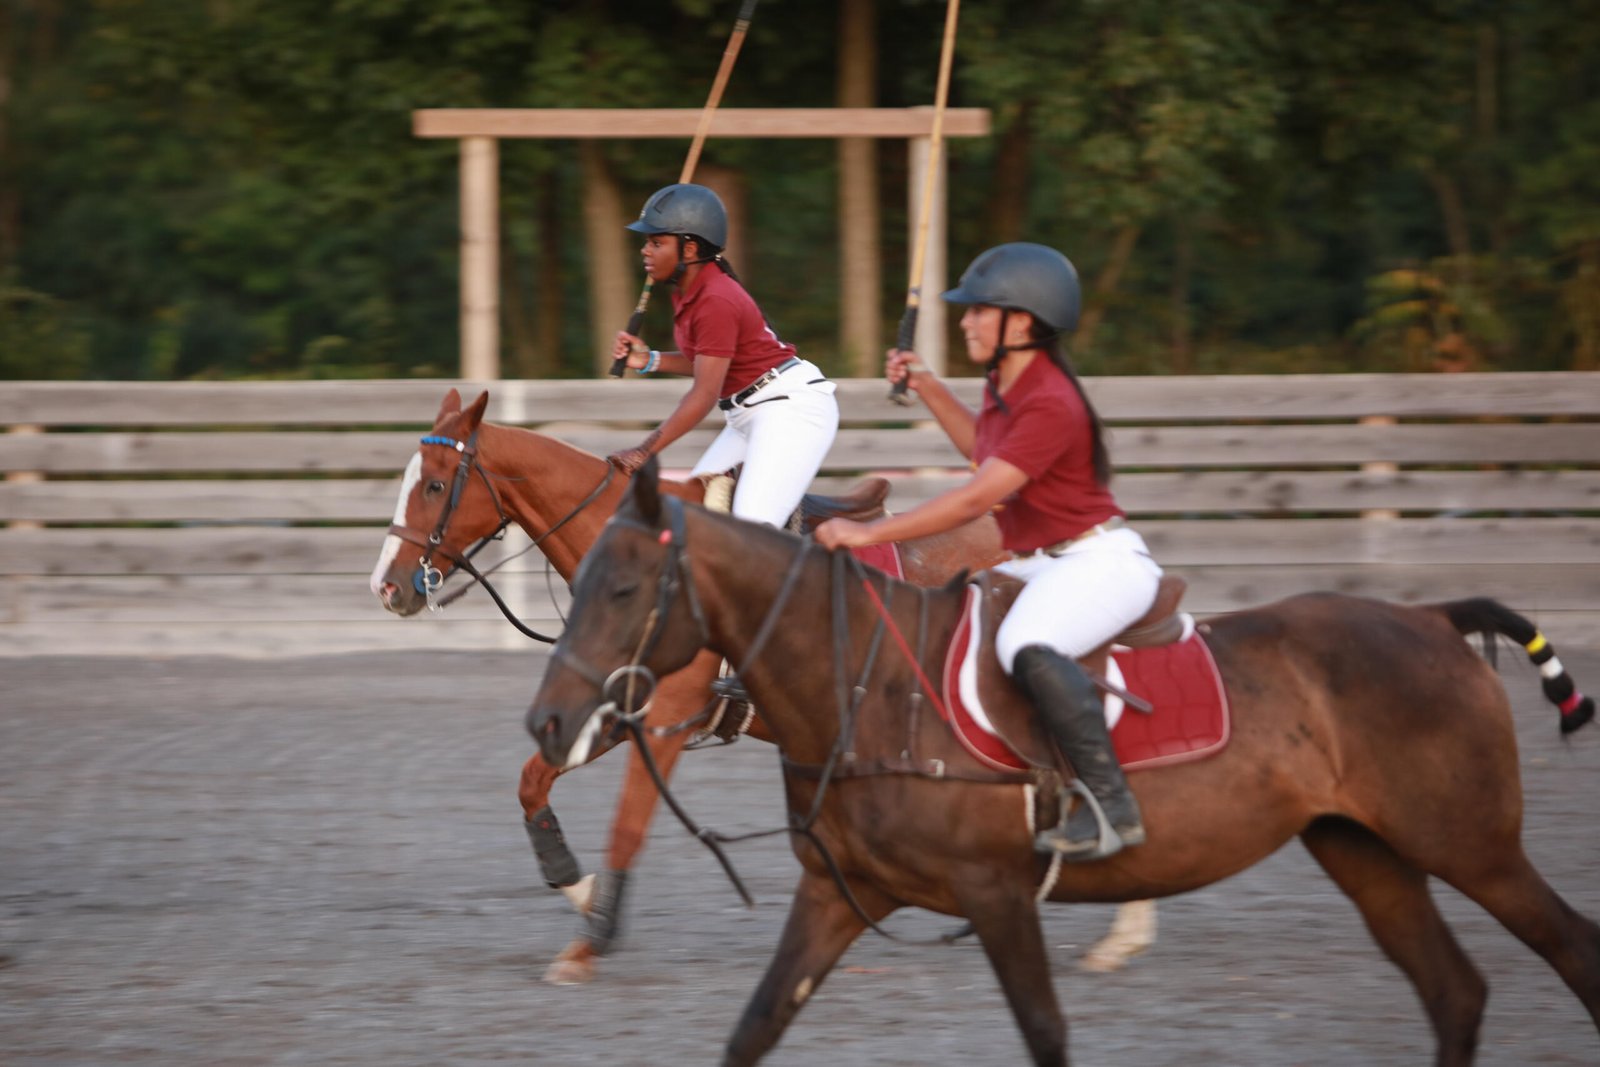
pixel 1372 731
pixel 548 488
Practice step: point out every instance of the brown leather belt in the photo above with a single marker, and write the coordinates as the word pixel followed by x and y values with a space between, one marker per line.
pixel 1116 522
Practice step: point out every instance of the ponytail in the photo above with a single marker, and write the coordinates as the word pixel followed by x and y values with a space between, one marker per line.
pixel 1100 455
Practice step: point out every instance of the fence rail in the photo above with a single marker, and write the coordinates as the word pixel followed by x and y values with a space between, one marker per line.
pixel 243 518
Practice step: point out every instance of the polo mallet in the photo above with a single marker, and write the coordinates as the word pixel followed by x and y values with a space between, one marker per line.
pixel 731 53
pixel 906 337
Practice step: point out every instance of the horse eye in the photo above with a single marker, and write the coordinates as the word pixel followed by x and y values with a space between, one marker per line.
pixel 435 487
pixel 623 592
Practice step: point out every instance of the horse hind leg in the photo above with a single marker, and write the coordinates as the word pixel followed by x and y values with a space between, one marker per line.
pixel 1393 898
pixel 1518 896
pixel 1132 932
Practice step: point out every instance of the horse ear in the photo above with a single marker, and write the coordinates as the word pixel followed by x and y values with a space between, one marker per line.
pixel 647 491
pixel 449 406
pixel 473 415
pixel 958 580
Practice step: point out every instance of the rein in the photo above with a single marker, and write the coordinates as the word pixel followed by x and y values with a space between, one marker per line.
pixel 676 577
pixel 430 579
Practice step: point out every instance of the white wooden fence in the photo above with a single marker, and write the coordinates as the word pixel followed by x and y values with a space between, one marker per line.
pixel 243 518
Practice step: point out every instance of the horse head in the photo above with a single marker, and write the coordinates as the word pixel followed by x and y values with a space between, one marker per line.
pixel 636 616
pixel 446 505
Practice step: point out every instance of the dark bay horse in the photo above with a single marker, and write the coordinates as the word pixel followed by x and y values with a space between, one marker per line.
pixel 1372 731
pixel 548 489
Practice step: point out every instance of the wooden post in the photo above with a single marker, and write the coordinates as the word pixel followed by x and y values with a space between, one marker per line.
pixel 480 258
pixel 1379 467
pixel 861 336
pixel 25 476
pixel 931 327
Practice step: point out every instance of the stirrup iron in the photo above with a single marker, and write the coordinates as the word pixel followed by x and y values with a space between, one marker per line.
pixel 1107 841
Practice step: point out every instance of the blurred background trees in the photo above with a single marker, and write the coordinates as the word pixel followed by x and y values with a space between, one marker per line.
pixel 194 188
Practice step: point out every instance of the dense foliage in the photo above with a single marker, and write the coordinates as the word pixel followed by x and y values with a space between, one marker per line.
pixel 231 187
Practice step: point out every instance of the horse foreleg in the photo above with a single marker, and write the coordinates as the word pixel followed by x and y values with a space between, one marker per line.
pixel 603 907
pixel 556 861
pixel 821 925
pixel 1007 923
pixel 1399 911
pixel 1132 931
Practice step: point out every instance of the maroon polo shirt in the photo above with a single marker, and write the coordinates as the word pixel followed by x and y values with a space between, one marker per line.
pixel 1044 431
pixel 716 317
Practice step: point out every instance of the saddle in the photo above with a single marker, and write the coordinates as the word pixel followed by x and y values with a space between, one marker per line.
pixel 862 503
pixel 1161 625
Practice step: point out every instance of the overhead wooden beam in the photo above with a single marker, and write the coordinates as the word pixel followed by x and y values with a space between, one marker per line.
pixel 823 122
pixel 478 130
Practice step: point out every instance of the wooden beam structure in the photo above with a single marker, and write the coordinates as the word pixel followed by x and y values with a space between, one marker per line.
pixel 479 130
pixel 602 123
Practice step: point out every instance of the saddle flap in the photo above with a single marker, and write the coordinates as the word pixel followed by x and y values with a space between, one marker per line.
pixel 1004 710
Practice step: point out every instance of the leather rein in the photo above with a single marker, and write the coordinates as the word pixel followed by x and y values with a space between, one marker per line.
pixel 429 579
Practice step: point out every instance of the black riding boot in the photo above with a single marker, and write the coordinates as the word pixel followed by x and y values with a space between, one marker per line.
pixel 1107 815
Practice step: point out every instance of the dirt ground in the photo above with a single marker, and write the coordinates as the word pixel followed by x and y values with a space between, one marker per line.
pixel 319 861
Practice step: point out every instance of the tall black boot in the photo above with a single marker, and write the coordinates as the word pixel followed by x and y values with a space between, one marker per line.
pixel 1107 817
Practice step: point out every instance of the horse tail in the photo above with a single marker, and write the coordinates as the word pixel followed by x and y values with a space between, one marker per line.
pixel 1481 615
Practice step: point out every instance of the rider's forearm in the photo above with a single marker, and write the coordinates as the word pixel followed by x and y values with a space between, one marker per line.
pixel 950 509
pixel 955 418
pixel 690 412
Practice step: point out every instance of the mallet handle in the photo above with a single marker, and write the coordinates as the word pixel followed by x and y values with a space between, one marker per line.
pixel 908 321
pixel 741 25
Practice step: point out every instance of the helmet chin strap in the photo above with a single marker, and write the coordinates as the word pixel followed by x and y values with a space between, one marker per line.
pixel 1001 349
pixel 685 264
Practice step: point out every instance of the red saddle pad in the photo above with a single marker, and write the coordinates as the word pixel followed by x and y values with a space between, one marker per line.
pixel 1190 719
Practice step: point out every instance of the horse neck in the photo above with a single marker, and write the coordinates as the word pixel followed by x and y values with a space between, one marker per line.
pixel 541 480
pixel 739 575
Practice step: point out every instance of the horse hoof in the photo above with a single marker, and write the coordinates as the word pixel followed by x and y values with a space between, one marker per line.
pixel 575 966
pixel 1103 961
pixel 580 894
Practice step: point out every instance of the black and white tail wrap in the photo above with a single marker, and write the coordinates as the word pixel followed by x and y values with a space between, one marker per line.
pixel 1485 616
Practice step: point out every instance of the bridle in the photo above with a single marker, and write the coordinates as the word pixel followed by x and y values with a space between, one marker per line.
pixel 677 579
pixel 429 579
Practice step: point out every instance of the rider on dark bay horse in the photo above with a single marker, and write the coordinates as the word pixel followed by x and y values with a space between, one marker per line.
pixel 780 410
pixel 1041 465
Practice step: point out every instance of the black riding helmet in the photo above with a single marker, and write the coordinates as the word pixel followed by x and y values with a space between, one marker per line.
pixel 1024 277
pixel 686 210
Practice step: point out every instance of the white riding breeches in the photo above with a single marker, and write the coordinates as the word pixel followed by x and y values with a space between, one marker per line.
pixel 1079 600
pixel 781 434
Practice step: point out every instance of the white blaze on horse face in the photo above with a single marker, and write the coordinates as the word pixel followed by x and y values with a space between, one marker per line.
pixel 391 543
